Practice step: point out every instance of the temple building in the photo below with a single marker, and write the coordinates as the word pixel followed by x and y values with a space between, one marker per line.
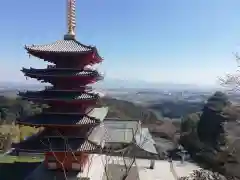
pixel 122 134
pixel 74 131
pixel 73 108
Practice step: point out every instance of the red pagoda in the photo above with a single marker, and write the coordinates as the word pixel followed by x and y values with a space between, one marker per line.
pixel 72 107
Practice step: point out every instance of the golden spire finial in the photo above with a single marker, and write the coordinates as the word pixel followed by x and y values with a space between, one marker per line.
pixel 71 18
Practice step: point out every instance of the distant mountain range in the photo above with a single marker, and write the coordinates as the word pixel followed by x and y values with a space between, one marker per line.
pixel 137 84
pixel 112 84
pixel 19 86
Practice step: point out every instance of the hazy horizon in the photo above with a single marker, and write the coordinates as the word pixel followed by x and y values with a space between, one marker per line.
pixel 111 83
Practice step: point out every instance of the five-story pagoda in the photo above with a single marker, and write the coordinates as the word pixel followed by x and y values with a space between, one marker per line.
pixel 73 109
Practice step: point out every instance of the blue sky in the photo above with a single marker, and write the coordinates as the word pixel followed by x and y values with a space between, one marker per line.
pixel 180 41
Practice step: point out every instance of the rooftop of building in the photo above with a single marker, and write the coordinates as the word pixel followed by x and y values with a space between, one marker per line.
pixel 125 132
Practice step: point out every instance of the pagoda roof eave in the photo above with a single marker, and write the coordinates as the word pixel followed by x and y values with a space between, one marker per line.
pixel 41 146
pixel 59 69
pixel 80 92
pixel 31 96
pixel 92 117
pixel 96 77
pixel 61 46
pixel 49 140
pixel 98 113
pixel 56 125
pixel 34 151
pixel 38 121
pixel 40 72
pixel 81 89
pixel 97 54
pixel 68 101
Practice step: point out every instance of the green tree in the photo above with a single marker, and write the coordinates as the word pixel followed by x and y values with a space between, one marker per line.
pixel 189 122
pixel 211 125
pixel 189 137
pixel 4 112
pixel 217 102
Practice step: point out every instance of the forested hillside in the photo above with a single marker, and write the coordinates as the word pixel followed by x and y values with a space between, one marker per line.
pixel 176 109
pixel 127 110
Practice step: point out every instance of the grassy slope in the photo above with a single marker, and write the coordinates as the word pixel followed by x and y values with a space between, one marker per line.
pixel 17 133
pixel 18 159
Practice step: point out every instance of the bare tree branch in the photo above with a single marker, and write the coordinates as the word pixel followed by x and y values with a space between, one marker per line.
pixel 232 81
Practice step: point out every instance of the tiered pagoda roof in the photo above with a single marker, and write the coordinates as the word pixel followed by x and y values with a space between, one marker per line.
pixel 63 49
pixel 72 106
pixel 52 75
pixel 73 90
pixel 61 46
pixel 91 117
pixel 60 96
pixel 57 140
